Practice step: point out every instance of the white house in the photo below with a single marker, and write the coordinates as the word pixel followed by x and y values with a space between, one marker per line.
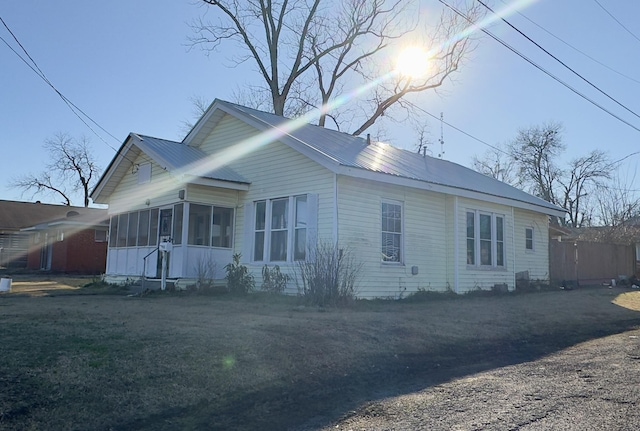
pixel 249 182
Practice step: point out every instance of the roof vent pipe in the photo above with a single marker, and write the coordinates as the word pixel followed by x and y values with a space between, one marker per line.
pixel 368 138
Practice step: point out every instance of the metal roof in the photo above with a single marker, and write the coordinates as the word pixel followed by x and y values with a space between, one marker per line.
pixel 355 152
pixel 179 158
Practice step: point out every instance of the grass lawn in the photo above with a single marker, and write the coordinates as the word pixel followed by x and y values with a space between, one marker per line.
pixel 80 358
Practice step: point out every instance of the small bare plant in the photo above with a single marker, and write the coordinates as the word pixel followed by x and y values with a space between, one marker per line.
pixel 329 277
pixel 205 272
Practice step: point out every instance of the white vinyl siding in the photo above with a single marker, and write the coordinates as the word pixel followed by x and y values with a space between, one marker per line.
pixel 423 236
pixel 536 262
pixel 275 171
pixel 129 195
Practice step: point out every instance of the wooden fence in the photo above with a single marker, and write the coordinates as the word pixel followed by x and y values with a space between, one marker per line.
pixel 590 262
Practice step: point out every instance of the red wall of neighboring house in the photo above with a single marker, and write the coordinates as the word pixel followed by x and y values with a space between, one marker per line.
pixel 76 253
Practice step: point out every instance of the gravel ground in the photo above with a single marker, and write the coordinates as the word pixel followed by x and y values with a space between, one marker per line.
pixel 591 386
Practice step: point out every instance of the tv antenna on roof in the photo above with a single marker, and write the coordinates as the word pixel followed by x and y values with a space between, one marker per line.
pixel 441 136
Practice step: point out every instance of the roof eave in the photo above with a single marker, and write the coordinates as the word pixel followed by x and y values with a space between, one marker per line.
pixel 450 190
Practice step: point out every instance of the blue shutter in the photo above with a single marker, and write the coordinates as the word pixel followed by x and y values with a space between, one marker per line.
pixel 247 242
pixel 312 226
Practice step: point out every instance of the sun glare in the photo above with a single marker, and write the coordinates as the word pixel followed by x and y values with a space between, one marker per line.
pixel 412 62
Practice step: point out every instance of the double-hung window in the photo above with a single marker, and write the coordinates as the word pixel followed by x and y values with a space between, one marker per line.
pixel 485 239
pixel 528 239
pixel 280 229
pixel 392 232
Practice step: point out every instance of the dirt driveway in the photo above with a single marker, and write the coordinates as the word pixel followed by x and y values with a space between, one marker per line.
pixel 76 359
pixel 592 386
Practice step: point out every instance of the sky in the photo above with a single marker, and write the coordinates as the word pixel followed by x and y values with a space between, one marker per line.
pixel 128 65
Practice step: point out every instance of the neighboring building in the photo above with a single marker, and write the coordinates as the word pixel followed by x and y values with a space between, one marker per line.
pixel 24 233
pixel 249 182
pixel 76 243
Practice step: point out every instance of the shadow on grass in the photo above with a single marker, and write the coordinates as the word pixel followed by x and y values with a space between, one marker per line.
pixel 317 401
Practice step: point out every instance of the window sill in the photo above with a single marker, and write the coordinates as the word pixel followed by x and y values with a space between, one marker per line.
pixel 208 247
pixel 487 268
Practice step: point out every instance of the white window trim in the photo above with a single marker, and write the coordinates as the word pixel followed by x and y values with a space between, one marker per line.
pixel 402 256
pixel 494 240
pixel 291 229
pixel 533 239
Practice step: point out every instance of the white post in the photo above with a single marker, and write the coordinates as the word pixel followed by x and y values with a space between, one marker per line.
pixel 163 280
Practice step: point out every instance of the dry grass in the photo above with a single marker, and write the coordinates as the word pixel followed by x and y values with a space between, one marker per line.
pixel 180 361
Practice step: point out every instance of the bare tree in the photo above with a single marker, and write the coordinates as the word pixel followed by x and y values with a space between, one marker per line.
pixel 72 167
pixel 582 178
pixel 199 106
pixel 617 204
pixel 308 51
pixel 536 150
pixel 498 163
pixel 531 162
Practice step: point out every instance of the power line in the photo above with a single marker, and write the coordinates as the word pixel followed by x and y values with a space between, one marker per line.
pixel 595 60
pixel 558 60
pixel 616 20
pixel 537 66
pixel 36 69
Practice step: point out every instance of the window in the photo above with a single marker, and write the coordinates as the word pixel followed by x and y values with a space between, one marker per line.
pixel 132 233
pixel 210 226
pixel 143 228
pixel 391 232
pixel 199 224
pixel 260 229
pixel 471 238
pixel 485 239
pixel 153 226
pixel 300 240
pixel 177 224
pixel 113 231
pixel 528 238
pixel 123 220
pixel 100 235
pixel 281 229
pixel 134 229
pixel 222 230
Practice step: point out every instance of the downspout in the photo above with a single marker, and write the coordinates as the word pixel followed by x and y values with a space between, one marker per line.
pixel 335 208
pixel 513 244
pixel 456 246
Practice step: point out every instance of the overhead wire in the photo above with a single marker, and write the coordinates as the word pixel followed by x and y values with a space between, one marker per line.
pixel 617 20
pixel 558 60
pixel 36 69
pixel 559 39
pixel 537 66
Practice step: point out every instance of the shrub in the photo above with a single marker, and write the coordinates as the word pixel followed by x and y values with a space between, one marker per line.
pixel 239 280
pixel 273 280
pixel 329 277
